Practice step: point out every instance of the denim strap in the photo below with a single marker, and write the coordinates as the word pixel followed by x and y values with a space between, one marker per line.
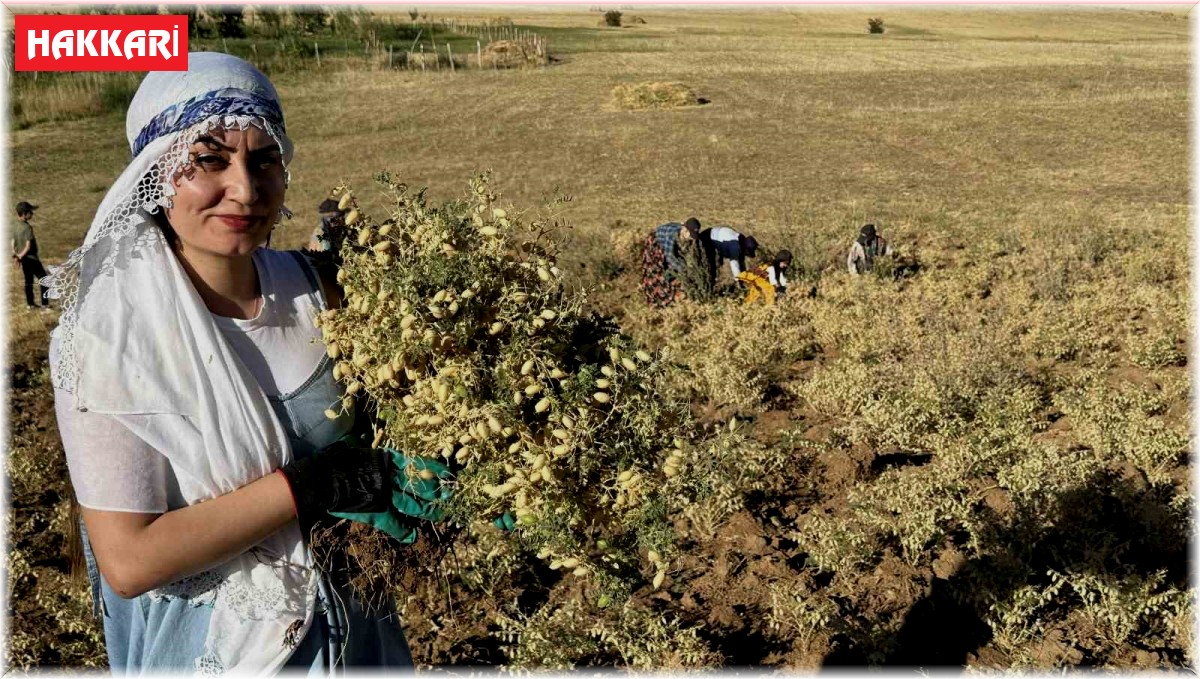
pixel 93 572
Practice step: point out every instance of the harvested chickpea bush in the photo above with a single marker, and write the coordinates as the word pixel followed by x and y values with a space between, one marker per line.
pixel 458 329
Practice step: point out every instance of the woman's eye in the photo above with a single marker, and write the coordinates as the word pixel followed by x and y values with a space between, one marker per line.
pixel 210 161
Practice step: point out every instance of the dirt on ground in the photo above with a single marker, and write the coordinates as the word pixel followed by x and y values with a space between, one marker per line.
pixel 52 624
pixel 906 614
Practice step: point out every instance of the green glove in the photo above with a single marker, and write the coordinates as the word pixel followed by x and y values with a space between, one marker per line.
pixel 389 522
pixel 417 497
pixel 411 497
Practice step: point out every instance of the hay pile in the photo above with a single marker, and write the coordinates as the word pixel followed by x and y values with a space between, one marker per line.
pixel 511 54
pixel 654 95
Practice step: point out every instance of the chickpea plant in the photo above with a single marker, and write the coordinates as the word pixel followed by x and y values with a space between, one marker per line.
pixel 458 327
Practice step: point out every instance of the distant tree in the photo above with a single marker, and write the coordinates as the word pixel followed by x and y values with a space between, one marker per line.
pixel 139 9
pixel 343 20
pixel 271 20
pixel 612 18
pixel 310 20
pixel 231 23
pixel 875 25
pixel 200 24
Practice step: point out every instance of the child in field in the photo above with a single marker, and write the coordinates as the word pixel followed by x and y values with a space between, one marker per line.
pixel 191 389
pixel 865 249
pixel 25 253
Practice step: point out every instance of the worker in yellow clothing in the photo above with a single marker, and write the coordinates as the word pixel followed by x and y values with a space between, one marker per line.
pixel 767 280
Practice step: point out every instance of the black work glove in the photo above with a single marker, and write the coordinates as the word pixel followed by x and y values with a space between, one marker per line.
pixel 342 477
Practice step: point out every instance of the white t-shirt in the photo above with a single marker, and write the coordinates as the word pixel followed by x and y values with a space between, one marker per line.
pixel 777 282
pixel 723 234
pixel 113 469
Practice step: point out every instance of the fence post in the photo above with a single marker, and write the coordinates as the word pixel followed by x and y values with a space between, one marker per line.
pixel 317 49
pixel 422 58
pixel 479 51
pixel 450 56
pixel 389 57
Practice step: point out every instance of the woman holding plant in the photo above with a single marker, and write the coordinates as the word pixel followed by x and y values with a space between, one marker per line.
pixel 191 401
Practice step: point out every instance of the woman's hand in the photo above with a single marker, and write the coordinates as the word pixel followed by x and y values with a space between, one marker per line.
pixel 417 492
pixel 342 477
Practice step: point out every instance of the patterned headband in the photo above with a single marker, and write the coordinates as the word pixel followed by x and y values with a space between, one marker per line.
pixel 183 115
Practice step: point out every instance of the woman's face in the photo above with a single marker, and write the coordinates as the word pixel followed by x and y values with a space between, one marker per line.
pixel 228 199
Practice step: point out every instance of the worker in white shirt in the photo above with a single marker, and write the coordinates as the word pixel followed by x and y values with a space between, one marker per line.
pixel 723 243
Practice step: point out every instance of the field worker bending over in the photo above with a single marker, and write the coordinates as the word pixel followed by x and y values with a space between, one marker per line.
pixel 191 390
pixel 723 243
pixel 665 257
pixel 865 249
pixel 766 281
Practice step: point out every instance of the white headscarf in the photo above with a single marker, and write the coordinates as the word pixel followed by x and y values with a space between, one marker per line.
pixel 136 342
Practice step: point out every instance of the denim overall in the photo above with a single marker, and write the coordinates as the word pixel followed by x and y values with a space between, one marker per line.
pixel 153 634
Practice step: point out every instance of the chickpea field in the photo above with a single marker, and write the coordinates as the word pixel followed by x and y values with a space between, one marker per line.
pixel 976 456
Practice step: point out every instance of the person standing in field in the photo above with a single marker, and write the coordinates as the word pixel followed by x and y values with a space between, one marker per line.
pixel 25 253
pixel 721 244
pixel 769 280
pixel 332 217
pixel 865 249
pixel 666 256
pixel 191 391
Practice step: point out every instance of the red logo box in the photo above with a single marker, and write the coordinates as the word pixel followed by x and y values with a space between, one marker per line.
pixel 137 42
